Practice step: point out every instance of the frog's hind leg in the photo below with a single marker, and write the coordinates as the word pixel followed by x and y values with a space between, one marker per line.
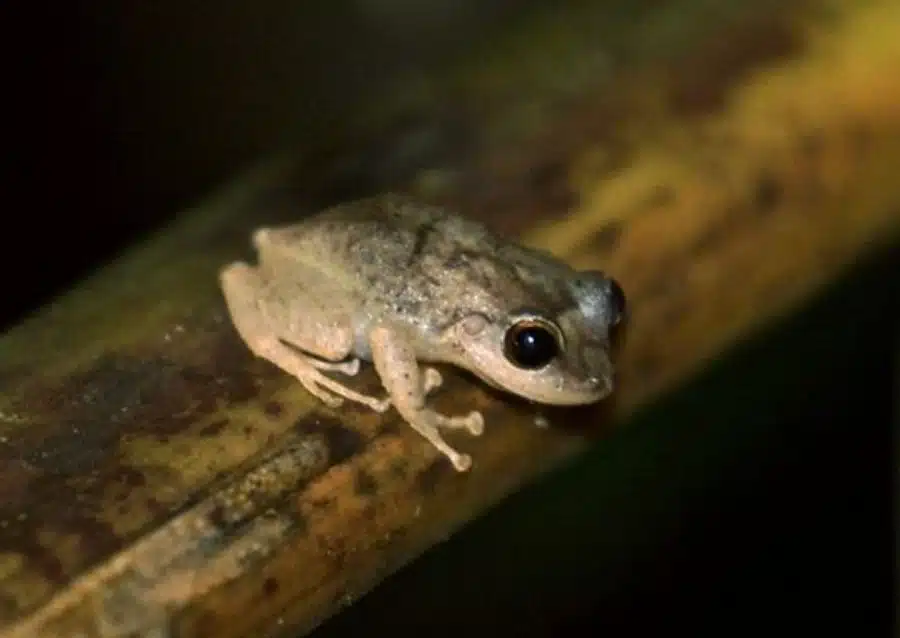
pixel 349 368
pixel 243 291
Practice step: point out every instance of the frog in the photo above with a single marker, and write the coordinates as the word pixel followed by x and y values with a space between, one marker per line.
pixel 408 286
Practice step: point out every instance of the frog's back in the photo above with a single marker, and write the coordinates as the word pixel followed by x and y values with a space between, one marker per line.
pixel 413 254
pixel 383 232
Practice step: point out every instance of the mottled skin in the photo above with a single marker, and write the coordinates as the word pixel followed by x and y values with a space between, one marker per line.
pixel 395 281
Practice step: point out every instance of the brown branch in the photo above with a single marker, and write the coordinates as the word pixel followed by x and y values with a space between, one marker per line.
pixel 155 475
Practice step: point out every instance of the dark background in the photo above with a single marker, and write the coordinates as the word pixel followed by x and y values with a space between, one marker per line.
pixel 120 114
pixel 755 500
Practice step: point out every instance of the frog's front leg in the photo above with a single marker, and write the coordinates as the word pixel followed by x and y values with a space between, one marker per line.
pixel 395 361
pixel 244 292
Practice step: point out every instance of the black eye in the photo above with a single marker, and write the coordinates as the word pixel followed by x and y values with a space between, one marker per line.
pixel 531 344
pixel 617 306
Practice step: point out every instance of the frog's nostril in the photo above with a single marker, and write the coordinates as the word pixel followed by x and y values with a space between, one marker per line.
pixel 617 303
pixel 601 386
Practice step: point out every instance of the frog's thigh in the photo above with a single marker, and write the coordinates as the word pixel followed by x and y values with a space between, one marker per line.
pixel 313 320
pixel 241 287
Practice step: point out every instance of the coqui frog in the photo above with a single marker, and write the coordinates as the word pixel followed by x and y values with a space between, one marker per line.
pixel 400 283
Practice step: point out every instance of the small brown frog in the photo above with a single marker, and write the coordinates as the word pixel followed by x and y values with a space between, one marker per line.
pixel 394 281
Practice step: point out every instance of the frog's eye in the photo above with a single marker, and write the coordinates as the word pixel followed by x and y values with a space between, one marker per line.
pixel 531 343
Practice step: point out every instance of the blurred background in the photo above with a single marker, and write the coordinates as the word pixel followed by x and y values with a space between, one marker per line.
pixel 120 114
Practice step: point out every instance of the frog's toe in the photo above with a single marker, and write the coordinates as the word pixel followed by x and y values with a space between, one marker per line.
pixel 379 405
pixel 350 368
pixel 426 423
pixel 461 462
pixel 329 399
pixel 475 423
pixel 432 381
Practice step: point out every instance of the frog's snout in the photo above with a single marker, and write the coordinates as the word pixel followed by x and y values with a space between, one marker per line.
pixel 583 390
pixel 597 364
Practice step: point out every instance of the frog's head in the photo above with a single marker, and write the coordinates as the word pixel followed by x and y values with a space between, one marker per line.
pixel 555 358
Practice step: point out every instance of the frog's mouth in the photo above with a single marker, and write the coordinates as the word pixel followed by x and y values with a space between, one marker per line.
pixel 489 381
pixel 584 393
pixel 581 393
